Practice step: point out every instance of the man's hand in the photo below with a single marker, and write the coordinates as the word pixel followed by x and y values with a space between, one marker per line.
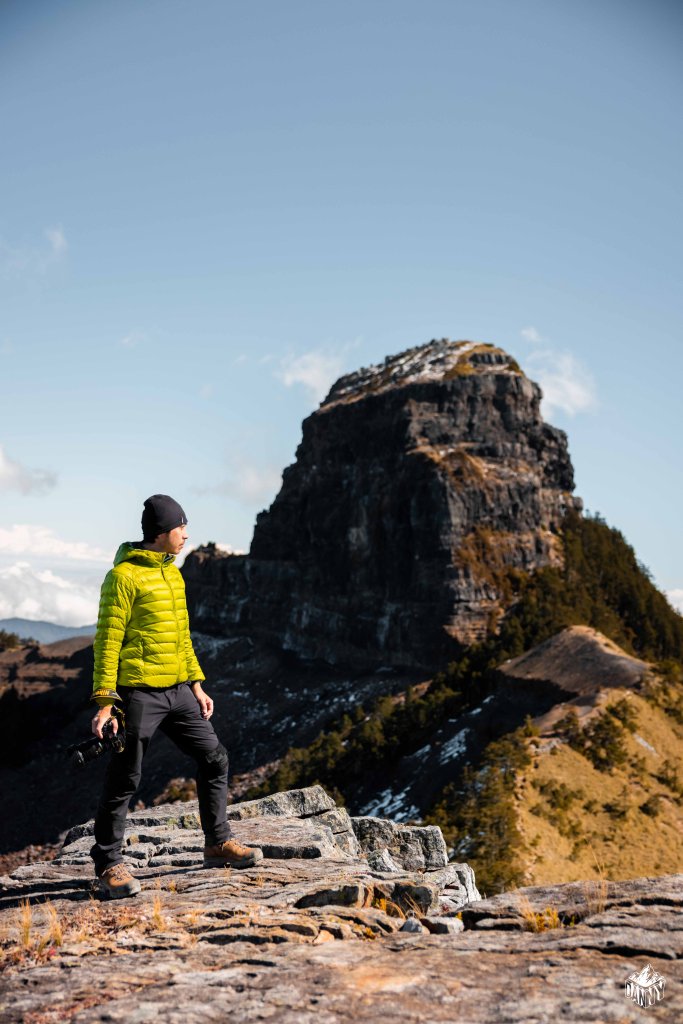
pixel 203 699
pixel 101 719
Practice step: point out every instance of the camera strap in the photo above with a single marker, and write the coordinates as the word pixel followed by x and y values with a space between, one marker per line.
pixel 120 715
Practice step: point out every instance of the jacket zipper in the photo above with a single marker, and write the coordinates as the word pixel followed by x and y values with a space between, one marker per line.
pixel 175 616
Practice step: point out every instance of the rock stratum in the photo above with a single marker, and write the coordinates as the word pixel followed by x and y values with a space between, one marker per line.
pixel 418 486
pixel 345 919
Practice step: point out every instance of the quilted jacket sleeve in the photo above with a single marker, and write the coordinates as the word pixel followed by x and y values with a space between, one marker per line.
pixel 116 606
pixel 194 673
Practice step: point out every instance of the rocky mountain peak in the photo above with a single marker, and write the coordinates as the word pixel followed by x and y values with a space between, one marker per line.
pixel 419 485
pixel 437 361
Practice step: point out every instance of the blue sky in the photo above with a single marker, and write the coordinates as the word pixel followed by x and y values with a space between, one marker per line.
pixel 211 210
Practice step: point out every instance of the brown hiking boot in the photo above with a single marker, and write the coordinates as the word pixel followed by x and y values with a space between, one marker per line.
pixel 231 854
pixel 119 882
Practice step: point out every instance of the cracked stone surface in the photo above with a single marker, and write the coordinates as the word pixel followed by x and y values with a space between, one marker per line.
pixel 413 847
pixel 317 933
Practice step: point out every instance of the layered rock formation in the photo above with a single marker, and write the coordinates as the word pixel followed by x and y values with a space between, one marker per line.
pixel 317 933
pixel 262 707
pixel 419 484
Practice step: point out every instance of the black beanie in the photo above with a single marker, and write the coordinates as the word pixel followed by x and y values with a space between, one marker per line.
pixel 161 514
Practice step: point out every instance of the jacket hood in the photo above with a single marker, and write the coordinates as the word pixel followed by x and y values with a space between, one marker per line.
pixel 131 551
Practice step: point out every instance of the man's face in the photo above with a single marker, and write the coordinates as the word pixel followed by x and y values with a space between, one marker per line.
pixel 173 541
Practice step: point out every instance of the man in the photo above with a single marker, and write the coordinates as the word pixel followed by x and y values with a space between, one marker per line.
pixel 143 646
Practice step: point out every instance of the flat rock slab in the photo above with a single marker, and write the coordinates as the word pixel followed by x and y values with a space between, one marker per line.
pixel 294 803
pixel 411 978
pixel 576 901
pixel 315 933
pixel 174 845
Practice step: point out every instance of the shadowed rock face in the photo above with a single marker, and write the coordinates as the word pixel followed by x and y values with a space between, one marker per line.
pixel 263 706
pixel 417 485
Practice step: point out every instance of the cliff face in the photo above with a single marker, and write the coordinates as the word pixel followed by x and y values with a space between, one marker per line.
pixel 418 485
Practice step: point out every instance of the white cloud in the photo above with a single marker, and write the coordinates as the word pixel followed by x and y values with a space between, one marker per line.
pixel 676 598
pixel 254 484
pixel 316 370
pixel 41 541
pixel 132 339
pixel 247 483
pixel 16 477
pixel 29 594
pixel 567 384
pixel 27 259
pixel 57 240
pixel 229 549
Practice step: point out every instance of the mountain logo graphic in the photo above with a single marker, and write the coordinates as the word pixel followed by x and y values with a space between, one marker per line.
pixel 645 987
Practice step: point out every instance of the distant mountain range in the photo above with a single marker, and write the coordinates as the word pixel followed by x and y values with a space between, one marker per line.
pixel 44 632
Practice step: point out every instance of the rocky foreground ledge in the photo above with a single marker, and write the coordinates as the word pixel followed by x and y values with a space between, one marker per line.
pixel 347 919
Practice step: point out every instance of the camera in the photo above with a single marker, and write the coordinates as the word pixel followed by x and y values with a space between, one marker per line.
pixel 89 750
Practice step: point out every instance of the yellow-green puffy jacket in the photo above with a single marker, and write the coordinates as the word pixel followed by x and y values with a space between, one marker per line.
pixel 143 631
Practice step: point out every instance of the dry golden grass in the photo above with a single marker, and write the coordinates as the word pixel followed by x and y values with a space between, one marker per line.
pixel 601 844
pixel 596 890
pixel 158 918
pixel 410 906
pixel 191 917
pixel 462 368
pixel 388 907
pixel 25 924
pixel 35 933
pixel 32 933
pixel 538 920
pixel 595 895
pixel 55 933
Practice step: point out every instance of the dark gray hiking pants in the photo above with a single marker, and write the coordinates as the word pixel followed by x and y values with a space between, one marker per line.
pixel 175 710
